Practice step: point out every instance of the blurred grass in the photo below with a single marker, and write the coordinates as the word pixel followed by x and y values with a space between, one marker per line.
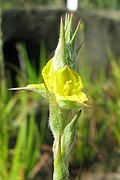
pixel 6 4
pixel 98 135
pixel 20 133
pixel 100 4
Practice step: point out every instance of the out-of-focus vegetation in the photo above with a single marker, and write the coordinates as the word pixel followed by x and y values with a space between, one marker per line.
pixel 98 134
pixel 100 4
pixel 21 133
pixel 29 3
pixel 104 4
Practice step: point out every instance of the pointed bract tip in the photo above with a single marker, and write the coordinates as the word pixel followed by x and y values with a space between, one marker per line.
pixel 67 16
pixel 14 89
pixel 71 16
pixel 73 39
pixel 61 29
pixel 61 21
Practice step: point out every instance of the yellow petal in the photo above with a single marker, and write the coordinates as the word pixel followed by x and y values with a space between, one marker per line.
pixel 81 97
pixel 67 81
pixel 47 74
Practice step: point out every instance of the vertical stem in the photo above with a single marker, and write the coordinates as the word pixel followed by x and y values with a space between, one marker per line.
pixel 58 119
pixel 60 166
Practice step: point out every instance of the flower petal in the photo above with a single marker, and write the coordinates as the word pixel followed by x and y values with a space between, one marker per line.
pixel 47 74
pixel 69 102
pixel 67 81
pixel 65 84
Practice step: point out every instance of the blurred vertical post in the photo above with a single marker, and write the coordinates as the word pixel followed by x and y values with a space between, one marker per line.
pixel 72 5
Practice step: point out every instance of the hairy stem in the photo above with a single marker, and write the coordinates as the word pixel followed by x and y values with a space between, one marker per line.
pixel 60 165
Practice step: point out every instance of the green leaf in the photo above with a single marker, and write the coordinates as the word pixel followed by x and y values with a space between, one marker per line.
pixel 68 136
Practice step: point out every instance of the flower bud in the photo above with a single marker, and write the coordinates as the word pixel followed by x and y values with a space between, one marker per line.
pixel 65 53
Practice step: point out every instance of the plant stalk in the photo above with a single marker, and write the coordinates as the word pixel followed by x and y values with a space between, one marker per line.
pixel 58 120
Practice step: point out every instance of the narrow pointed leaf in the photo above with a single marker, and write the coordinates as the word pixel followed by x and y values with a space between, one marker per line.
pixel 68 136
pixel 38 88
pixel 68 28
pixel 72 42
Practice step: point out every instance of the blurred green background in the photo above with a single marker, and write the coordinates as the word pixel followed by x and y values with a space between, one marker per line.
pixel 25 138
pixel 97 4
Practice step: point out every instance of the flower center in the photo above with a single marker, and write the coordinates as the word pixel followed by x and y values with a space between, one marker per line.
pixel 68 88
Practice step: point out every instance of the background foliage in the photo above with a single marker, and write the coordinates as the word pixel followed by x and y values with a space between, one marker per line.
pixel 104 4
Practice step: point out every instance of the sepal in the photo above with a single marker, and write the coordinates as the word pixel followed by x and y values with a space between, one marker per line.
pixel 68 136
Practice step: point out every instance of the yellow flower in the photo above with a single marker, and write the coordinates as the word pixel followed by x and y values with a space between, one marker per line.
pixel 65 84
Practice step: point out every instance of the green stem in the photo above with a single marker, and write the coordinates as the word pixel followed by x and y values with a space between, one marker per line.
pixel 63 127
pixel 60 166
pixel 58 120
